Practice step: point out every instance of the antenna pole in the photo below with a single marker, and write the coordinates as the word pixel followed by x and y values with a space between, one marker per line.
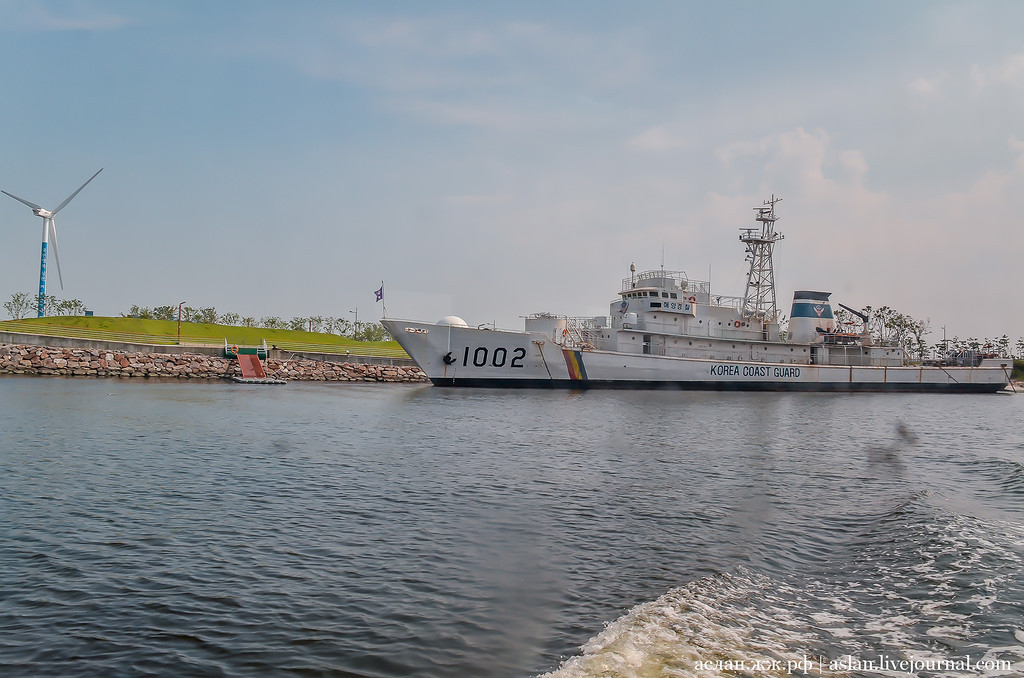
pixel 759 298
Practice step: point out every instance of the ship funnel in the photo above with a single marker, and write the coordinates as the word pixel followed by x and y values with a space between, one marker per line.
pixel 811 311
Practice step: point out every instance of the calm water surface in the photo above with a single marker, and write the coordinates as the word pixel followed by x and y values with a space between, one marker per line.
pixel 212 529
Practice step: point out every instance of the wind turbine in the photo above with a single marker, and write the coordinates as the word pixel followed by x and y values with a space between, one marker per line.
pixel 49 229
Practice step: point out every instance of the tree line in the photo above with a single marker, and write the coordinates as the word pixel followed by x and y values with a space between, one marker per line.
pixel 23 305
pixel 342 327
pixel 889 327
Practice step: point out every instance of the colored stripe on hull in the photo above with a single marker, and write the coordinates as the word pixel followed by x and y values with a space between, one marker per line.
pixel 574 361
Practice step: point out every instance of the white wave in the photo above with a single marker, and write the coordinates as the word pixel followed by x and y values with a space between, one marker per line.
pixel 915 591
pixel 715 626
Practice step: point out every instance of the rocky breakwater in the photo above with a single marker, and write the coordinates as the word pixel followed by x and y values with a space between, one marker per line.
pixel 78 362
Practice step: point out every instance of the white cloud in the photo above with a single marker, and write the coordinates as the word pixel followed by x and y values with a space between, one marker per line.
pixel 928 89
pixel 854 165
pixel 1010 72
pixel 658 138
pixel 803 164
pixel 993 199
pixel 932 255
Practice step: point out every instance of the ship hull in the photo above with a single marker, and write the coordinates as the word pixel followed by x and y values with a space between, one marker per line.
pixel 470 357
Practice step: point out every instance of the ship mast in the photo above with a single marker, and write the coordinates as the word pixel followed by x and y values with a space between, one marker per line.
pixel 759 297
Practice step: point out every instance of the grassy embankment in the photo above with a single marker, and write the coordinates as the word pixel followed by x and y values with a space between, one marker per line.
pixel 166 332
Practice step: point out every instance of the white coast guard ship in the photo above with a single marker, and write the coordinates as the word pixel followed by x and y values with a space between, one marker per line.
pixel 666 330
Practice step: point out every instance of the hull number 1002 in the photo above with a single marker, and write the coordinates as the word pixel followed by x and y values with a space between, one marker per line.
pixel 498 357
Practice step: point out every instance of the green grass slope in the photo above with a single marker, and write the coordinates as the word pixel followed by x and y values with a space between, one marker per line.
pixel 166 332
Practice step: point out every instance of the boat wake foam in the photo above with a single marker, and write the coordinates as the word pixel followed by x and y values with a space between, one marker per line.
pixel 919 585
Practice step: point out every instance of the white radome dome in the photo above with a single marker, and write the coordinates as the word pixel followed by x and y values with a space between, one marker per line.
pixel 452 321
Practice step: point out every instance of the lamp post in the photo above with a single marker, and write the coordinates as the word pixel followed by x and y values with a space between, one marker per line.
pixel 179 321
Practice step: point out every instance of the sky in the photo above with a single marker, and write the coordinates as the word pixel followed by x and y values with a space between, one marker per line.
pixel 491 160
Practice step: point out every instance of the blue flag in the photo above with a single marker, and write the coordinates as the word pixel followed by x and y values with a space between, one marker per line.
pixel 380 293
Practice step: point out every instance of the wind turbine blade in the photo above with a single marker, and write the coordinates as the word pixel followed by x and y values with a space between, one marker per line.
pixel 22 201
pixel 68 199
pixel 53 236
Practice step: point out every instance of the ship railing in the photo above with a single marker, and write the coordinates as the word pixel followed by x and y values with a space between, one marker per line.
pixel 580 332
pixel 967 358
pixel 854 355
pixel 727 301
pixel 654 279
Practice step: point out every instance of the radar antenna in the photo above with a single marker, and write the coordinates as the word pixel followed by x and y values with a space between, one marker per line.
pixel 759 297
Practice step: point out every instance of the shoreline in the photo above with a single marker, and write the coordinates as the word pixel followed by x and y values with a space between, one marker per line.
pixel 30 359
pixel 94 362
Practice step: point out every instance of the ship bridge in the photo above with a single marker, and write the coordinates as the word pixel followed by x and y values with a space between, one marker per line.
pixel 665 284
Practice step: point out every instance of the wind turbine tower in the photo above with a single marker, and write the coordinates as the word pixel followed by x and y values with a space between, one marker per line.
pixel 49 231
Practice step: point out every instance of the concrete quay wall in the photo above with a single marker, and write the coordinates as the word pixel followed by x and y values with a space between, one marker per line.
pixel 99 362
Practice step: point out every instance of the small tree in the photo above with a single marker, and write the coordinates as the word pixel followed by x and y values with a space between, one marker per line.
pixel 373 332
pixel 69 307
pixel 229 319
pixel 892 328
pixel 20 305
pixel 343 327
pixel 842 317
pixel 207 315
pixel 51 303
pixel 165 313
pixel 298 324
pixel 914 331
pixel 336 325
pixel 1003 343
